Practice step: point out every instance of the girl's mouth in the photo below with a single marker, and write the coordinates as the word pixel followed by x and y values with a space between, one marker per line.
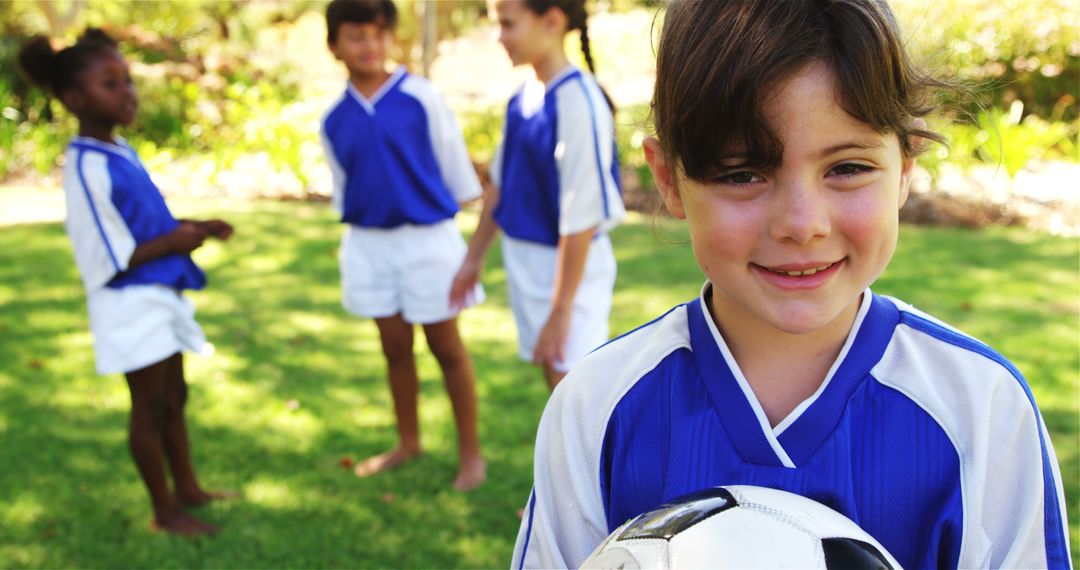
pixel 800 272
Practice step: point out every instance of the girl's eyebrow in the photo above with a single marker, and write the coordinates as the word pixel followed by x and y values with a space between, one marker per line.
pixel 867 144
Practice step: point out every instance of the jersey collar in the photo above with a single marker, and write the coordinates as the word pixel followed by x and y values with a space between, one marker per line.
pixel 794 440
pixel 561 77
pixel 369 104
pixel 119 147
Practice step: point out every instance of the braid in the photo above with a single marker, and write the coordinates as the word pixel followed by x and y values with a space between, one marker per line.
pixel 587 52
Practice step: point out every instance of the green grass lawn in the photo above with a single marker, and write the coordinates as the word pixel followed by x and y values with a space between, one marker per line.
pixel 296 385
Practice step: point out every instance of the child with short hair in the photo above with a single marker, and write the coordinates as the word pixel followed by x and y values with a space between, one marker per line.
pixel 134 260
pixel 556 192
pixel 400 168
pixel 786 136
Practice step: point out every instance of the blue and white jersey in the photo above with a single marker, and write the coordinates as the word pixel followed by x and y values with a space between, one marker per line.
pixel 926 438
pixel 397 158
pixel 557 167
pixel 112 207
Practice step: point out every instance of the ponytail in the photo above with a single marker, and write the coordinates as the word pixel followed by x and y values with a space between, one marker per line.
pixel 38 61
pixel 56 71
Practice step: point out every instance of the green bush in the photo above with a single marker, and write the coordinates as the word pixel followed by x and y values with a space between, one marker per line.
pixel 1000 138
pixel 1012 142
pixel 1006 50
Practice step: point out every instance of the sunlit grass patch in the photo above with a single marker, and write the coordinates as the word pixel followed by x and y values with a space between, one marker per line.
pixel 296 390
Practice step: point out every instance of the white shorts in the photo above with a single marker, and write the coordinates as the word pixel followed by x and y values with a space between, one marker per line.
pixel 408 269
pixel 530 279
pixel 140 325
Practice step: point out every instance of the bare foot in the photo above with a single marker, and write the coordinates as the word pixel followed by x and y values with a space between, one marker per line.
pixel 200 497
pixel 182 524
pixel 471 473
pixel 385 461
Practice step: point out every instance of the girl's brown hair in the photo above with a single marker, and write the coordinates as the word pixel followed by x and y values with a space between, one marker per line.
pixel 718 59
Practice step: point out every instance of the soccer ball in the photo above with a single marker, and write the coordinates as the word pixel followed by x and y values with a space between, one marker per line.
pixel 740 526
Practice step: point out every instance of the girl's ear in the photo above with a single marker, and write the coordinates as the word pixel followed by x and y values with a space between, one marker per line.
pixel 555 21
pixel 664 175
pixel 905 181
pixel 73 100
pixel 908 167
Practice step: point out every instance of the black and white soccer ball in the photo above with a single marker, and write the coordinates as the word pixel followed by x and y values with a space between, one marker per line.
pixel 740 526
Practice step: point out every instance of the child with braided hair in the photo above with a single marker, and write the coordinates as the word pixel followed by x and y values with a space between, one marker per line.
pixel 555 194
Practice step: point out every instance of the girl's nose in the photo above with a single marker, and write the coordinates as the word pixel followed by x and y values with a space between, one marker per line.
pixel 801 213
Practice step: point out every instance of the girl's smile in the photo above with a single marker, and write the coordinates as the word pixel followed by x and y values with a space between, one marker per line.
pixel 798 276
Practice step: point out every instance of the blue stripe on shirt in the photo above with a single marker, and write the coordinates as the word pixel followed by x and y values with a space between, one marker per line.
pixel 596 145
pixel 93 210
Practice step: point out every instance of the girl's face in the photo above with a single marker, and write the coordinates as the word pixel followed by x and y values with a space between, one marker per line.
pixel 105 91
pixel 362 48
pixel 792 249
pixel 526 36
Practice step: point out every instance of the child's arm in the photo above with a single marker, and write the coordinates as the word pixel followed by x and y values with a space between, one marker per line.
pixel 573 251
pixel 215 227
pixel 486 230
pixel 186 238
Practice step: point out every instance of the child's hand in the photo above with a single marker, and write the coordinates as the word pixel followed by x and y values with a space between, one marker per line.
pixel 550 347
pixel 464 284
pixel 187 237
pixel 218 228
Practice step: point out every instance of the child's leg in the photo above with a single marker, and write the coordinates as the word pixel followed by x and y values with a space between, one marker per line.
pixel 396 337
pixel 177 445
pixel 146 439
pixel 457 368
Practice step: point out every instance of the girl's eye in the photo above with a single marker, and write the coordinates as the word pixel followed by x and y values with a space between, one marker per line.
pixel 850 169
pixel 737 178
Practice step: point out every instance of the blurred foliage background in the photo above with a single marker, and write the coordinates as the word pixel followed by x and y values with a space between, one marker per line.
pixel 232 90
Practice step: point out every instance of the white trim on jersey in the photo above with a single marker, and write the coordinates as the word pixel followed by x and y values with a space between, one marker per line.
pixel 369 104
pixel 455 165
pixel 588 194
pixel 1001 465
pixel 337 173
pixel 495 168
pixel 101 240
pixel 566 518
pixel 864 309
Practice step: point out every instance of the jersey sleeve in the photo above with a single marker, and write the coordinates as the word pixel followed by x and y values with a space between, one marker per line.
pixel 101 240
pixel 1023 514
pixel 564 519
pixel 337 172
pixel 495 168
pixel 455 165
pixel 589 195
pixel 1011 496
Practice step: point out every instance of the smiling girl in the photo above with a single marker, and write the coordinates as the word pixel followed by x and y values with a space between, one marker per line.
pixel 785 136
